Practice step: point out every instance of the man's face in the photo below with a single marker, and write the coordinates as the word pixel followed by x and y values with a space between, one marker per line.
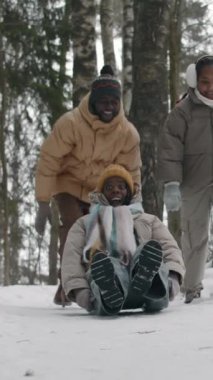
pixel 115 190
pixel 107 107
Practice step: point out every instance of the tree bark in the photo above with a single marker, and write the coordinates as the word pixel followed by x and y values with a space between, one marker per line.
pixel 106 20
pixel 15 195
pixel 150 90
pixel 84 47
pixel 127 35
pixel 174 72
pixel 5 212
pixel 175 49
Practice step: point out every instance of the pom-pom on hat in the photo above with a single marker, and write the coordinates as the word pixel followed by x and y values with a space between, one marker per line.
pixel 105 84
pixel 114 170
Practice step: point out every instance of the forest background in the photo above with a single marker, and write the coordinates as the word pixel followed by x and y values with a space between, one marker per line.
pixel 50 52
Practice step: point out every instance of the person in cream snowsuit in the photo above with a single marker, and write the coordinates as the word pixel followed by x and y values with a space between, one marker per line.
pixel 119 257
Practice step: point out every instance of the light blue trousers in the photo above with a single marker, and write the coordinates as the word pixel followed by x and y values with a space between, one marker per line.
pixel 156 299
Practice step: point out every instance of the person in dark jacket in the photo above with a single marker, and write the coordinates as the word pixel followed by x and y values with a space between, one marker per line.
pixel 82 143
pixel 186 168
pixel 119 257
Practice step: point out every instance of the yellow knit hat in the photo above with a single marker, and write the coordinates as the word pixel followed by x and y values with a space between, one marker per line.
pixel 115 171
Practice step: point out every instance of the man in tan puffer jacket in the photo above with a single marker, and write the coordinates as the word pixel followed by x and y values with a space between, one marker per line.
pixel 82 143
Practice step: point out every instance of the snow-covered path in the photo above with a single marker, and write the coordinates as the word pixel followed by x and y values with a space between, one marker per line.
pixel 46 342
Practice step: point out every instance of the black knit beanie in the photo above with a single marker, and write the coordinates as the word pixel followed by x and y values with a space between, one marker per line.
pixel 105 84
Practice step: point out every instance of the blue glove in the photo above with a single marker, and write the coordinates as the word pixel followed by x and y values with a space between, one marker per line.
pixel 172 196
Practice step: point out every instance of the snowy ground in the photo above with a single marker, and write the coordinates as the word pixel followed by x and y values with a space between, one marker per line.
pixel 46 342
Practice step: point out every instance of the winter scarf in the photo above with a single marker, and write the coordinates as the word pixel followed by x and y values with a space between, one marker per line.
pixel 206 101
pixel 110 228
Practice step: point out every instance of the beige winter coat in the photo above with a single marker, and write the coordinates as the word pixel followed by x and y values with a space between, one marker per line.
pixel 186 145
pixel 80 147
pixel 147 227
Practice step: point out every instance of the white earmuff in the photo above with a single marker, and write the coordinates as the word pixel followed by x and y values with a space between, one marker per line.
pixel 191 75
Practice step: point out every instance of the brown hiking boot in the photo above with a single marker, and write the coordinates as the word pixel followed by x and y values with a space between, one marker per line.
pixel 60 297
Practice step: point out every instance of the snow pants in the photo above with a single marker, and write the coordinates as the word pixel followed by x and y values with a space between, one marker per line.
pixel 70 209
pixel 156 299
pixel 195 218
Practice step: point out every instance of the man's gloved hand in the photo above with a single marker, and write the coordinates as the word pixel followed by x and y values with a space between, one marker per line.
pixel 42 215
pixel 174 285
pixel 83 298
pixel 172 196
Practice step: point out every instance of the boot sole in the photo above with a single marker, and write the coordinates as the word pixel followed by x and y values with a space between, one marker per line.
pixel 102 272
pixel 149 262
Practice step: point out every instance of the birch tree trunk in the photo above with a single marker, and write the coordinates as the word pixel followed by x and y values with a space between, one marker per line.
pixel 127 36
pixel 106 20
pixel 150 90
pixel 84 47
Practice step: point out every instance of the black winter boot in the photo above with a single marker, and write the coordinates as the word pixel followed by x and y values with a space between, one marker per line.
pixel 149 262
pixel 102 272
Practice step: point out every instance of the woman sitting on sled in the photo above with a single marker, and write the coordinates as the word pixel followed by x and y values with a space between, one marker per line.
pixel 119 257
